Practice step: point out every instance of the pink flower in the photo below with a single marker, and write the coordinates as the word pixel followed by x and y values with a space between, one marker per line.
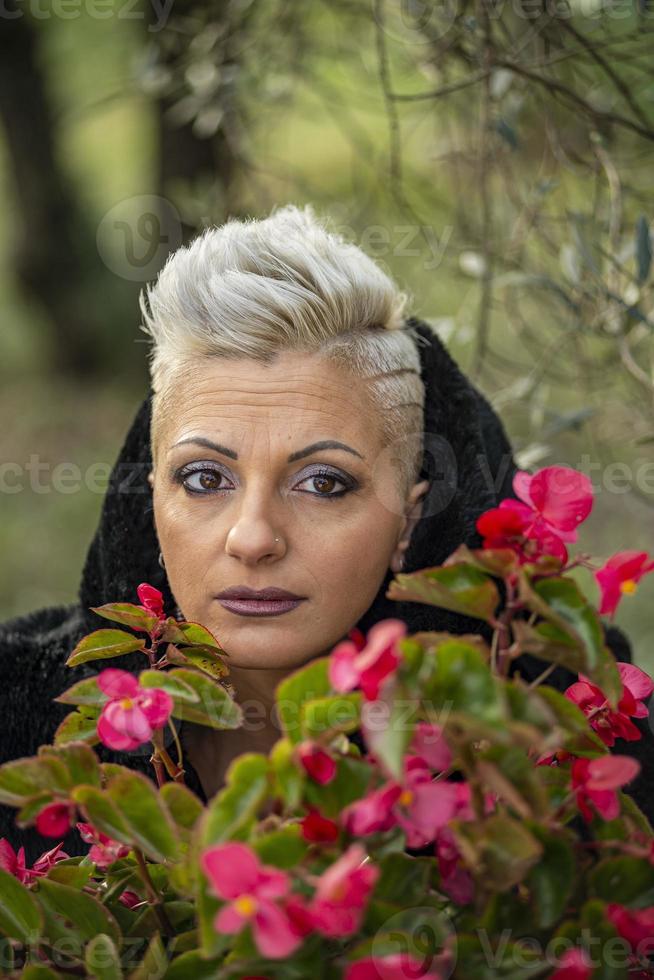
pixel 429 743
pixel 251 890
pixel 151 600
pixel 317 828
pixel 133 712
pixel 399 966
pixel 560 498
pixel 104 850
pixel 369 667
pixel 55 819
pixel 513 525
pixel 573 965
pixel 318 764
pixel 419 804
pixel 14 862
pixel 636 927
pixel 342 892
pixel 609 724
pixel 620 575
pixel 596 781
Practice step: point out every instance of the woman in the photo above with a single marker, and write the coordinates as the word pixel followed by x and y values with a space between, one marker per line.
pixel 283 372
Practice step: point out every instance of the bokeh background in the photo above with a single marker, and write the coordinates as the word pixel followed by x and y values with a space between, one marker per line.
pixel 495 157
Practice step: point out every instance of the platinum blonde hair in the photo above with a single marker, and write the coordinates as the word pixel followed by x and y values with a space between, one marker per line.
pixel 254 288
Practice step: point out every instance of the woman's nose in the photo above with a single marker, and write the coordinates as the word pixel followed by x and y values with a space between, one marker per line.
pixel 253 535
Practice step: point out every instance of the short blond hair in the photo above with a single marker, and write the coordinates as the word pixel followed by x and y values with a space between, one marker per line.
pixel 255 288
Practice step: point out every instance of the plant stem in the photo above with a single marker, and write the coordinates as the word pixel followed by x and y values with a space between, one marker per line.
pixel 154 898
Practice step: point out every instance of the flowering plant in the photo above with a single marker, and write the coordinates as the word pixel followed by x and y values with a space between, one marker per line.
pixel 483 832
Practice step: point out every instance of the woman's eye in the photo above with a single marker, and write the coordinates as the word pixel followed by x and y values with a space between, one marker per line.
pixel 324 482
pixel 202 481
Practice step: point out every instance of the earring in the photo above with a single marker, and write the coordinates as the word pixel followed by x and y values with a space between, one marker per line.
pixel 161 560
pixel 276 540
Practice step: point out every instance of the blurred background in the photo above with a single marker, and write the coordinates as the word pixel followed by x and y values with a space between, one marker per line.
pixel 495 158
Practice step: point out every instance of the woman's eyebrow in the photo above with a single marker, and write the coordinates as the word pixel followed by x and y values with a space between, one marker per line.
pixel 300 454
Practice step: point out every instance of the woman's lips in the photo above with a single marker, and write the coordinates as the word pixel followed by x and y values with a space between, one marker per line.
pixel 260 607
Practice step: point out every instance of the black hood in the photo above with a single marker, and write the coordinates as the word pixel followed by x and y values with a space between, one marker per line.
pixel 468 461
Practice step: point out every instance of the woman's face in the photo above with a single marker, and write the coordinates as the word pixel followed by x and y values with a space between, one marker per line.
pixel 243 511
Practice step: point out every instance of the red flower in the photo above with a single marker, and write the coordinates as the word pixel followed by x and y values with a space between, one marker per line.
pixel 14 862
pixel 104 850
pixel 369 667
pixel 596 781
pixel 513 525
pixel 456 881
pixel 130 899
pixel 552 503
pixel 609 724
pixel 55 819
pixel 318 829
pixel 133 712
pixel 573 965
pixel 151 600
pixel 636 927
pixel 342 892
pixel 620 575
pixel 398 966
pixel 318 764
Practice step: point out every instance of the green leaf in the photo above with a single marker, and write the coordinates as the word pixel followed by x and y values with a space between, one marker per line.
pixel 460 587
pixel 79 726
pixel 20 915
pixel 101 958
pixel 144 815
pixel 128 614
pixel 202 657
pixel 38 971
pixel 79 759
pixel 215 708
pixel 560 601
pixel 309 683
pixel 288 778
pixel 388 736
pixel 349 784
pixel 551 880
pixel 624 879
pixel 101 812
pixel 461 682
pixel 326 716
pixel 247 784
pixel 283 848
pixel 195 965
pixel 102 645
pixel 499 850
pixel 23 779
pixel 184 806
pixel 89 917
pixel 197 635
pixel 69 873
pixel 404 880
pixel 167 681
pixel 154 964
pixel 84 692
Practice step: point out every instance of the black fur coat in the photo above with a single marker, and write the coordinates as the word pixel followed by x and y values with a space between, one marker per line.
pixel 469 462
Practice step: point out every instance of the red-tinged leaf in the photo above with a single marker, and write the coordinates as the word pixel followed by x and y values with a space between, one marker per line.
pixel 79 726
pixel 203 657
pixel 83 692
pixel 460 588
pixel 128 614
pixel 197 635
pixel 102 645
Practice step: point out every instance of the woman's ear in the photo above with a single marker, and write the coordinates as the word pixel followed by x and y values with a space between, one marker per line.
pixel 412 514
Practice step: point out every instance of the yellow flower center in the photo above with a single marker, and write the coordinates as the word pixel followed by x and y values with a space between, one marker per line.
pixel 628 586
pixel 406 797
pixel 126 703
pixel 246 905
